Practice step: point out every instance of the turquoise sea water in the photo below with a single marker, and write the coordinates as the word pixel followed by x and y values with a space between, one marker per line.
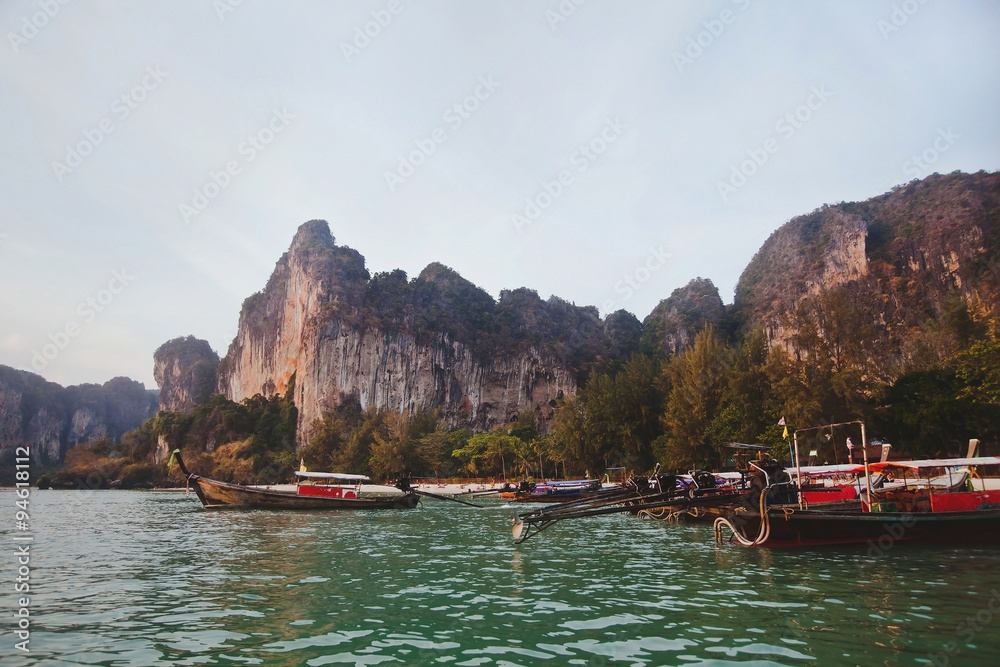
pixel 150 578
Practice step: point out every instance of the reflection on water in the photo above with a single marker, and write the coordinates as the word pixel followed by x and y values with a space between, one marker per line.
pixel 132 578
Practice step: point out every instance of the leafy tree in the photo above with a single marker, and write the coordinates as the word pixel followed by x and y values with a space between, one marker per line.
pixel 978 369
pixel 750 401
pixel 931 413
pixel 396 448
pixel 326 442
pixel 489 453
pixel 570 441
pixel 639 397
pixel 698 381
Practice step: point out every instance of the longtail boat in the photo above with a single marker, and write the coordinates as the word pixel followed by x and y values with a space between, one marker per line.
pixel 552 491
pixel 655 496
pixel 946 508
pixel 334 491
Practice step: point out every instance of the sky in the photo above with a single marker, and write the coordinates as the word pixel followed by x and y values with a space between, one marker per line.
pixel 157 158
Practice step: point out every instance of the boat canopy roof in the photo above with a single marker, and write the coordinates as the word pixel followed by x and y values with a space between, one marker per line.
pixel 568 482
pixel 828 469
pixel 936 463
pixel 918 464
pixel 333 475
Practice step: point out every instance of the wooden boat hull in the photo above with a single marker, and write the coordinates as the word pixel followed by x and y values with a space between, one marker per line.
pixel 217 495
pixel 796 528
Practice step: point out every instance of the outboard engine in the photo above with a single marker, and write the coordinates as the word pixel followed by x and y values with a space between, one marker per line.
pixel 639 483
pixel 666 483
pixel 769 471
pixel 525 486
pixel 703 479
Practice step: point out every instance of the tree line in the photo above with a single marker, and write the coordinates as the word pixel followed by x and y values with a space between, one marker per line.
pixel 650 408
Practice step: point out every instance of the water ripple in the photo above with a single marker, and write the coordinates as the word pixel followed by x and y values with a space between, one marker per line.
pixel 159 581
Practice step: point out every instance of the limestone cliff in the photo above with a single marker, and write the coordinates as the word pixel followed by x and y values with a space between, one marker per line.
pixel 185 370
pixel 49 418
pixel 897 264
pixel 672 325
pixel 436 342
pixel 894 271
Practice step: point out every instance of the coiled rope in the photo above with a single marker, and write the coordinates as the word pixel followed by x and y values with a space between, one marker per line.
pixel 762 534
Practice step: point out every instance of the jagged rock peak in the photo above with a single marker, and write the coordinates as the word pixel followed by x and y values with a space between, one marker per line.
pixel 185 369
pixel 673 324
pixel 445 277
pixel 312 234
pixel 624 332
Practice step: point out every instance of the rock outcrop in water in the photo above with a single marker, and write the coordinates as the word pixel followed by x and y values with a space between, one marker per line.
pixel 49 418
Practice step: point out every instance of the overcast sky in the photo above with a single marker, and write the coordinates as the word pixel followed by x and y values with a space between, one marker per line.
pixel 156 158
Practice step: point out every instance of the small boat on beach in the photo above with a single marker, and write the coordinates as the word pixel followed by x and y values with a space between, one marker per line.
pixel 552 491
pixel 317 491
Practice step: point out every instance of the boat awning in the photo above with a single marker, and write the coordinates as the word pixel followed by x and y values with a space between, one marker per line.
pixel 828 470
pixel 569 482
pixel 917 464
pixel 936 463
pixel 333 475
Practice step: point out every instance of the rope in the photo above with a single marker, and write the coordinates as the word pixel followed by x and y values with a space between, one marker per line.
pixel 762 534
pixel 658 514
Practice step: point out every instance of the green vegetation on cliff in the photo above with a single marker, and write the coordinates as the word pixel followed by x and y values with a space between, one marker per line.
pixel 884 310
pixel 252 442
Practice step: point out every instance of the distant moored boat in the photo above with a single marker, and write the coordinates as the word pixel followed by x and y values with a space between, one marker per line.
pixel 333 491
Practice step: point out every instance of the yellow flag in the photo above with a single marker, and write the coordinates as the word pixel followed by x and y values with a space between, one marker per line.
pixel 785 434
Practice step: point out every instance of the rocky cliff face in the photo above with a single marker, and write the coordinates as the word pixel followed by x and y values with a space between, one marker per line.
pixel 185 370
pixel 894 271
pixel 671 327
pixel 436 342
pixel 49 419
pixel 899 264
